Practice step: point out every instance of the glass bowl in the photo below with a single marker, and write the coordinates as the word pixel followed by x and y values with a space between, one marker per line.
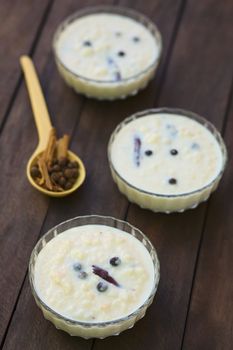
pixel 108 90
pixel 167 203
pixel 93 329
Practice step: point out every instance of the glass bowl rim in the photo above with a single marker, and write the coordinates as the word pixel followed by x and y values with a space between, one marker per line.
pixel 104 323
pixel 173 111
pixel 120 10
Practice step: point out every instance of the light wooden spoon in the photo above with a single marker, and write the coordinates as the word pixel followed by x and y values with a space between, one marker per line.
pixel 44 126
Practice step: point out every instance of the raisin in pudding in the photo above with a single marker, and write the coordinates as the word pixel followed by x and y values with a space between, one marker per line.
pixel 166 160
pixel 107 52
pixel 94 280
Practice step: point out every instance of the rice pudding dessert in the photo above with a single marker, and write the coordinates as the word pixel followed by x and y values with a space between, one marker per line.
pixel 165 161
pixel 94 274
pixel 107 53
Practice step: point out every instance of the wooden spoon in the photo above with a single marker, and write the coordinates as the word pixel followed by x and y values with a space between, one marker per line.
pixel 44 126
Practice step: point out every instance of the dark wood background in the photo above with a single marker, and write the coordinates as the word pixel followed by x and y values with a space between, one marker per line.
pixel 193 309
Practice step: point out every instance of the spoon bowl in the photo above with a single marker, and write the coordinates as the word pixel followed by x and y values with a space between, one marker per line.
pixel 71 156
pixel 44 127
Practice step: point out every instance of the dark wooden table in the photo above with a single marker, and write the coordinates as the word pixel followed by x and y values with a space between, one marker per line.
pixel 193 309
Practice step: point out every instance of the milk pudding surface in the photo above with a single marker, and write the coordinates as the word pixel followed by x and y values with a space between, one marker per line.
pixel 94 273
pixel 107 47
pixel 167 154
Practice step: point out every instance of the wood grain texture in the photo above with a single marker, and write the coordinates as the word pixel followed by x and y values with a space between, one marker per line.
pixel 210 317
pixel 24 209
pixel 19 28
pixel 197 76
pixel 98 195
pixel 197 82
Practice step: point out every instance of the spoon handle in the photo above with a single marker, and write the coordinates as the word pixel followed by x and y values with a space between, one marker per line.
pixel 39 107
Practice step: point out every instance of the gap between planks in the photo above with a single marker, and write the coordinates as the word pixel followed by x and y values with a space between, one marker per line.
pixel 223 129
pixel 40 232
pixel 31 52
pixel 170 49
pixel 19 82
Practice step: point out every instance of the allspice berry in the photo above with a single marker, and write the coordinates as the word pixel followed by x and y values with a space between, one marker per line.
pixel 68 185
pixel 72 180
pixel 55 177
pixel 56 167
pixel 62 181
pixel 35 172
pixel 74 164
pixel 69 165
pixel 68 173
pixel 62 162
pixel 75 173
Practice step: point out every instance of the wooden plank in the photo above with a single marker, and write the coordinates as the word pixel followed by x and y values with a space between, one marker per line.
pixel 200 76
pixel 195 80
pixel 27 207
pixel 166 15
pixel 98 195
pixel 211 317
pixel 20 24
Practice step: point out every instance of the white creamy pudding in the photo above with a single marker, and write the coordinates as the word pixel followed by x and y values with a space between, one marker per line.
pixel 94 273
pixel 166 154
pixel 107 49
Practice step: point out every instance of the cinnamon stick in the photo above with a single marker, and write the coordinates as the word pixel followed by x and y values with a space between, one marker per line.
pixel 50 149
pixel 62 146
pixel 44 173
pixel 53 170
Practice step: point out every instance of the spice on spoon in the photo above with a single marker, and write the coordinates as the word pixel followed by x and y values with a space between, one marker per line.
pixel 53 169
